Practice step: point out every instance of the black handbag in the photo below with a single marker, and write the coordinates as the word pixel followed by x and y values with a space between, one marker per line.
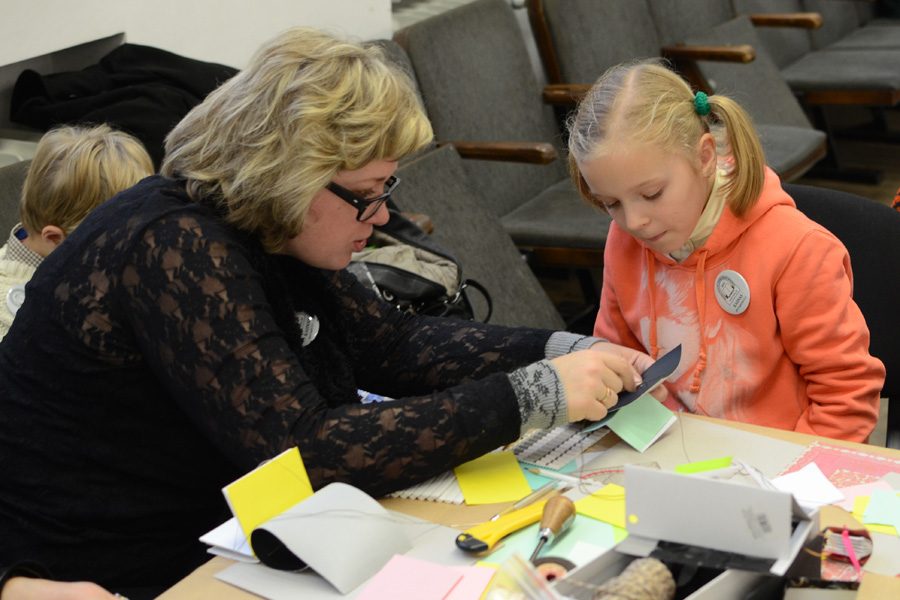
pixel 404 266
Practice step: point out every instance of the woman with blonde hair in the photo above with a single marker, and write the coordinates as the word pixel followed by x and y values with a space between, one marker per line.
pixel 706 250
pixel 204 323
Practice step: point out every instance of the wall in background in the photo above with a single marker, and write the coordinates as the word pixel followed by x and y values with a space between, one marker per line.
pixel 224 31
pixel 50 36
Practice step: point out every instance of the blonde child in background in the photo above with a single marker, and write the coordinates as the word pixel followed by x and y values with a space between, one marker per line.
pixel 74 169
pixel 706 250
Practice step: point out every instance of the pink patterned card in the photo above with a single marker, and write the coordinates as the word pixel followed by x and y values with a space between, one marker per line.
pixel 845 467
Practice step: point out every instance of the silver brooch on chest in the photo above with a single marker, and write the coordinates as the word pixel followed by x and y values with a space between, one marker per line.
pixel 309 327
pixel 15 297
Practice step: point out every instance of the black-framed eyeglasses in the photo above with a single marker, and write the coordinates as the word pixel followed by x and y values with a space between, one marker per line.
pixel 365 207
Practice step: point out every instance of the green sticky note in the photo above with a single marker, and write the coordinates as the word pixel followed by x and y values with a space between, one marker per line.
pixel 570 545
pixel 535 481
pixel 642 422
pixel 883 509
pixel 494 477
pixel 860 504
pixel 701 466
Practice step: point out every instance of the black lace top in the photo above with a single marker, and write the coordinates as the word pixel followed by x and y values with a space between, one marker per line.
pixel 157 358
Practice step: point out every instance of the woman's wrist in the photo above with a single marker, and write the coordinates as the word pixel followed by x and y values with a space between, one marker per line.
pixel 564 342
pixel 539 392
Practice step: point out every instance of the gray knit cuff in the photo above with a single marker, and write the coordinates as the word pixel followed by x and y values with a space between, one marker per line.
pixel 563 342
pixel 539 391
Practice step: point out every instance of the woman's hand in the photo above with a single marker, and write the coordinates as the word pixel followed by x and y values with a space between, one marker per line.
pixel 592 382
pixel 26 588
pixel 639 360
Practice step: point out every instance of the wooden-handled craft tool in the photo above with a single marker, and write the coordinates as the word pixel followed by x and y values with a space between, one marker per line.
pixel 558 513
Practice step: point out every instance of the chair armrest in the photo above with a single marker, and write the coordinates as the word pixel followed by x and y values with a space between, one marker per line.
pixel 802 20
pixel 565 93
pixel 540 153
pixel 739 53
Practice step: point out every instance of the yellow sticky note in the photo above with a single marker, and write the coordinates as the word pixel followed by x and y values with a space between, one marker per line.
pixel 860 503
pixel 268 490
pixel 492 478
pixel 606 504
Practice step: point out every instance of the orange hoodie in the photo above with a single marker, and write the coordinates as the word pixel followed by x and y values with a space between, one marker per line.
pixel 797 356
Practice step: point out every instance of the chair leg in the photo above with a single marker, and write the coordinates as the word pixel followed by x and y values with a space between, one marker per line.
pixel 582 321
pixel 876 130
pixel 832 167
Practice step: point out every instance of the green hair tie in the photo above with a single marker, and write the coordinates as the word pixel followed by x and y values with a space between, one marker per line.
pixel 701 103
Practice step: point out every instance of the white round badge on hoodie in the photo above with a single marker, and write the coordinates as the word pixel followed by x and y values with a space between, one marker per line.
pixel 732 292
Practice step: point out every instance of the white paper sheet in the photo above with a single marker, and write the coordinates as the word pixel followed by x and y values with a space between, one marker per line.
pixel 809 486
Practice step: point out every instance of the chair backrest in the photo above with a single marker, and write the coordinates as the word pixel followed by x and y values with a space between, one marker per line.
pixel 477 82
pixel 871 233
pixel 758 86
pixel 434 183
pixel 784 44
pixel 11 179
pixel 590 36
pixel 838 19
pixel 676 21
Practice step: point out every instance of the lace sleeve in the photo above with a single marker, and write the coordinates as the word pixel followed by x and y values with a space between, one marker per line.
pixel 205 326
pixel 402 354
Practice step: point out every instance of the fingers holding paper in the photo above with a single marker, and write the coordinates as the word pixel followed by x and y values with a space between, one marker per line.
pixel 592 382
pixel 639 360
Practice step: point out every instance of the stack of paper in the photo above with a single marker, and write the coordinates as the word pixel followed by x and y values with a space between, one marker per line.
pixel 442 488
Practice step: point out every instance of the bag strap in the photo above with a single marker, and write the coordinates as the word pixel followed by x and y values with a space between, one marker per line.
pixel 471 283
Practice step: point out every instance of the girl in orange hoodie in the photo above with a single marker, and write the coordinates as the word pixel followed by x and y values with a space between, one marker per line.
pixel 706 250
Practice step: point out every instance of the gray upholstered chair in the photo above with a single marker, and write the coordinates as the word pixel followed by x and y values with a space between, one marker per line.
pixel 868 77
pixel 478 84
pixel 871 233
pixel 11 179
pixel 435 183
pixel 877 13
pixel 579 39
pixel 819 78
pixel 843 28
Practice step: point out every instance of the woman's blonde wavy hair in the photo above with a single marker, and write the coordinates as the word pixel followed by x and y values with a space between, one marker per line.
pixel 74 170
pixel 307 106
pixel 646 102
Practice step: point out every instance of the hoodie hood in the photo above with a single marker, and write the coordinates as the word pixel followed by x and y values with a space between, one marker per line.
pixel 730 227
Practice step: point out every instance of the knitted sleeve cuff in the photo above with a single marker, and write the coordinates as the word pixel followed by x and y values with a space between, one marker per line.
pixel 539 391
pixel 563 342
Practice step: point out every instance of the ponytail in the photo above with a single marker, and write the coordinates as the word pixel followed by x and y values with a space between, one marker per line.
pixel 745 181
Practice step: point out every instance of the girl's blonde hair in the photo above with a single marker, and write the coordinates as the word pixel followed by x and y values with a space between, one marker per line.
pixel 74 170
pixel 647 102
pixel 307 106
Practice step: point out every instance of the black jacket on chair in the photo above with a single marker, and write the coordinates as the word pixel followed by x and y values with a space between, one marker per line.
pixel 142 90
